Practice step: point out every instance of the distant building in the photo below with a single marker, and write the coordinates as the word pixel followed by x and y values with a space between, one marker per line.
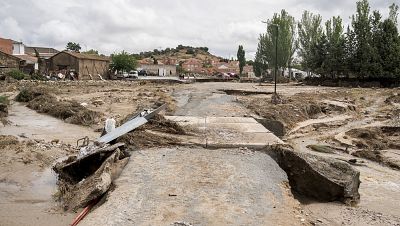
pixel 42 52
pixel 8 62
pixel 18 48
pixel 6 46
pixel 248 71
pixel 159 69
pixel 193 65
pixel 83 66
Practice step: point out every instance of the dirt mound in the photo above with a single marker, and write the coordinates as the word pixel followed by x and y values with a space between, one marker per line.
pixel 30 93
pixel 290 112
pixel 376 138
pixel 377 156
pixel 71 111
pixel 141 138
pixel 6 140
pixel 373 140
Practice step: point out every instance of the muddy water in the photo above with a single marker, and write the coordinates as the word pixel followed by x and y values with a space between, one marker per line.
pixel 28 199
pixel 25 122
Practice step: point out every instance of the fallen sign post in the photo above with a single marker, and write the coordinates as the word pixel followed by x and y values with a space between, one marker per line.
pixel 136 121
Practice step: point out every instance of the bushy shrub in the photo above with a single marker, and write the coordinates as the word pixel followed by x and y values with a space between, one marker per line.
pixel 16 74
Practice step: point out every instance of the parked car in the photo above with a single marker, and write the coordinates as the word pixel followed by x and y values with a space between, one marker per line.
pixel 133 74
pixel 142 73
pixel 125 75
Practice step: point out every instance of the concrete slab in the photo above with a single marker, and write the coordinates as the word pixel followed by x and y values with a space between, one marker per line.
pixel 227 132
pixel 230 120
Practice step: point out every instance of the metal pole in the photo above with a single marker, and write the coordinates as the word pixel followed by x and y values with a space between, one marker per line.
pixel 276 54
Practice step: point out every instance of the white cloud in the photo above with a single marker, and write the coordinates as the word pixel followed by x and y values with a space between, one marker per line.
pixel 137 25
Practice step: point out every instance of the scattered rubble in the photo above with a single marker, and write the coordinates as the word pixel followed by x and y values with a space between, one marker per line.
pixel 81 180
pixel 393 99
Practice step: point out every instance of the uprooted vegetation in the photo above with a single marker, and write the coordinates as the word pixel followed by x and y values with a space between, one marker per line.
pixel 43 101
pixel 142 137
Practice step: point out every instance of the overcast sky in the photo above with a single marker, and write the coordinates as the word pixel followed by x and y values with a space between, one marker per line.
pixel 132 25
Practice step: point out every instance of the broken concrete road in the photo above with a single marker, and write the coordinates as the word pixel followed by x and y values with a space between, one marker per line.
pixel 324 179
pixel 198 186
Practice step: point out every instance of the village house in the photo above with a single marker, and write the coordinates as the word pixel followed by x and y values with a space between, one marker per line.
pixel 8 62
pixel 248 71
pixel 230 67
pixel 193 65
pixel 158 69
pixel 80 66
pixel 6 45
pixel 43 54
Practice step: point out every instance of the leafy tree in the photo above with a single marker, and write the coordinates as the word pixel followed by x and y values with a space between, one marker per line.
pixel 123 62
pixel 310 31
pixel 241 58
pixel 72 46
pixel 92 51
pixel 364 52
pixel 388 47
pixel 287 43
pixel 335 56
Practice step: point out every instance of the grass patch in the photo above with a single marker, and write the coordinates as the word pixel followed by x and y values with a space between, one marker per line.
pixel 4 100
pixel 321 148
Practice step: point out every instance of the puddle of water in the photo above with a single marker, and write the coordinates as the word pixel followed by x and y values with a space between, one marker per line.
pixel 39 126
pixel 44 184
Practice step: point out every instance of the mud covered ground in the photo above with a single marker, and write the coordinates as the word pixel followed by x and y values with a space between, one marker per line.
pixel 359 126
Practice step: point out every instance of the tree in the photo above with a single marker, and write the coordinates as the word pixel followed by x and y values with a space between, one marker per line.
pixel 388 48
pixel 241 58
pixel 92 51
pixel 365 55
pixel 287 43
pixel 72 46
pixel 123 62
pixel 334 62
pixel 310 31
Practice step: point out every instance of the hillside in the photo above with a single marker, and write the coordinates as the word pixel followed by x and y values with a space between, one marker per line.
pixel 178 55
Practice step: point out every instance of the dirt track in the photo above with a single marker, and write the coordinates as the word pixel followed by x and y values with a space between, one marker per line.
pixel 306 114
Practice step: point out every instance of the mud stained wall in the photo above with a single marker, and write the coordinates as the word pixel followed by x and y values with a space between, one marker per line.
pixel 83 66
pixel 93 67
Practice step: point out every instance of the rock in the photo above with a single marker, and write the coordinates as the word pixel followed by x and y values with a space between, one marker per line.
pixel 98 102
pixel 324 179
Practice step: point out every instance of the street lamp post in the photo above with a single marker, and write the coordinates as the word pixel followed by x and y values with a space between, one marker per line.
pixel 276 50
pixel 276 53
